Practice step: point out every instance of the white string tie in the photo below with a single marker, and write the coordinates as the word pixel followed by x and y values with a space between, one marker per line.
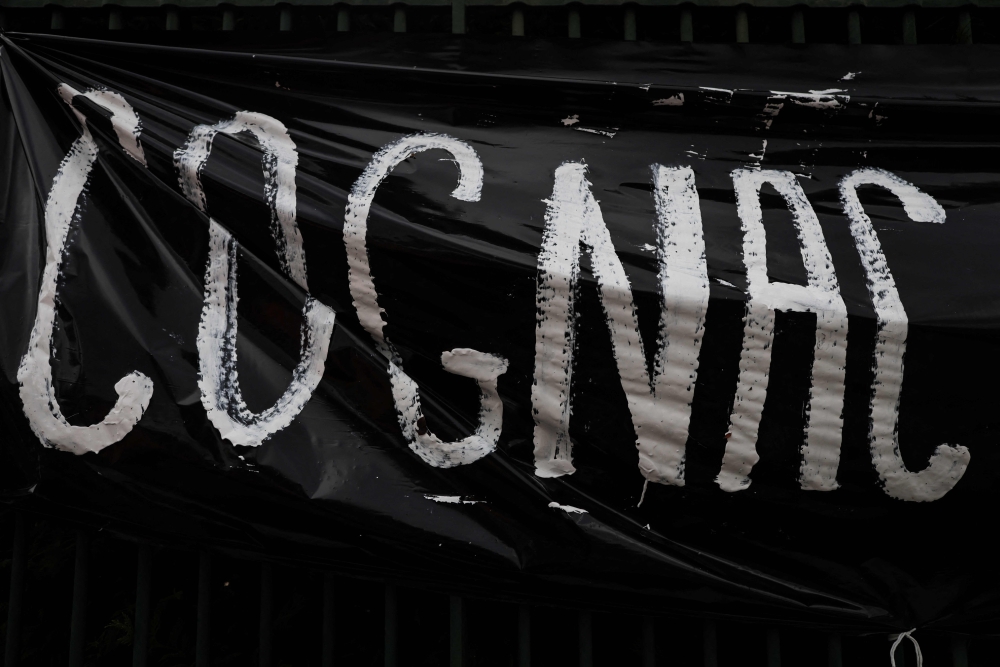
pixel 908 635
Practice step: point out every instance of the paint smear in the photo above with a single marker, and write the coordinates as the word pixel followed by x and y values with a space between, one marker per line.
pixel 569 509
pixel 817 99
pixel 772 107
pixel 452 500
pixel 723 95
pixel 672 101
pixel 610 132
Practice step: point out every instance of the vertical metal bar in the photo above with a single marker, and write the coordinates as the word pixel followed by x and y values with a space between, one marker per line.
pixel 343 18
pixel 115 19
pixel 229 19
pixel 853 26
pixel 517 21
pixel 201 650
pixel 798 26
pixel 687 24
pixel 773 647
pixel 834 651
pixel 630 27
pixel 78 621
pixel 524 636
pixel 963 32
pixel 266 605
pixel 399 18
pixel 58 19
pixel 458 17
pixel 390 626
pixel 648 642
pixel 143 583
pixel 742 25
pixel 573 22
pixel 909 26
pixel 586 639
pixel 709 645
pixel 456 631
pixel 173 19
pixel 959 652
pixel 329 626
pixel 285 19
pixel 17 569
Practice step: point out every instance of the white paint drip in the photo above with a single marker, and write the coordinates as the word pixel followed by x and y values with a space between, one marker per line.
pixel 607 133
pixel 34 374
pixel 817 99
pixel 571 120
pixel 821 295
pixel 672 101
pixel 217 332
pixel 849 76
pixel 480 366
pixel 948 463
pixel 726 283
pixel 569 509
pixel 452 500
pixel 660 406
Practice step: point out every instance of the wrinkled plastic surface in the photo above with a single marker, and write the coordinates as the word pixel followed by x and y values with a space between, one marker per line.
pixel 340 488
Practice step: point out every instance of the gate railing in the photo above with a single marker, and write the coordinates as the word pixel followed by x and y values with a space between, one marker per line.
pixel 838 21
pixel 651 636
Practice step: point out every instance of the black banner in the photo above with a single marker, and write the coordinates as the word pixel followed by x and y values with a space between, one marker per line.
pixel 683 329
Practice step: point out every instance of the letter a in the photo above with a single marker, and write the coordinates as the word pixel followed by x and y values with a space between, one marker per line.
pixel 821 295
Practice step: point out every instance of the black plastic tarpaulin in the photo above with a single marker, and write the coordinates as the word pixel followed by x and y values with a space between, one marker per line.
pixel 678 329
